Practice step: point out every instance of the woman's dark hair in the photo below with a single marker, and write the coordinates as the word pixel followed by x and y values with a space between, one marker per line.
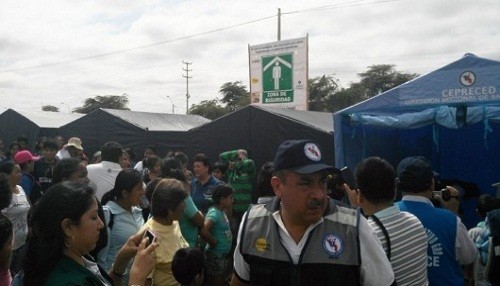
pixel 5 230
pixel 220 192
pixel 5 192
pixel 15 143
pixel 7 167
pixel 186 264
pixel 486 203
pixel 64 168
pixel 45 244
pixel 264 187
pixel 131 154
pixel 151 161
pixel 182 157
pixel 172 168
pixel 167 196
pixel 126 180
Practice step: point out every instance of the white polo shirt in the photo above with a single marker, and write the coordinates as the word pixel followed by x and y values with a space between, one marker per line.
pixel 103 175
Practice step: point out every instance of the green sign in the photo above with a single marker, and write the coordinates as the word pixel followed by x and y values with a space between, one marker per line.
pixel 277 79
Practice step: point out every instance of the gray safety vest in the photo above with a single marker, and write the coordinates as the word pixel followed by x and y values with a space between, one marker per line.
pixel 331 255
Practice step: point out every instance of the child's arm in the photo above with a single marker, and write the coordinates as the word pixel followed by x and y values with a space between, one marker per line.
pixel 205 233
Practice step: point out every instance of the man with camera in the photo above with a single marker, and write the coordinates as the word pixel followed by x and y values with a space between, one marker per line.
pixel 449 246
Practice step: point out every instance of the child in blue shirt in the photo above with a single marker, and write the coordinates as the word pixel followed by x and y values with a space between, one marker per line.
pixel 217 233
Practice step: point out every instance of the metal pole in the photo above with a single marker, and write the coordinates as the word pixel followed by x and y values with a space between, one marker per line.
pixel 173 105
pixel 279 24
pixel 187 70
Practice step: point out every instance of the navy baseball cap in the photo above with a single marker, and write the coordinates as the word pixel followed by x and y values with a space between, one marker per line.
pixel 300 156
pixel 414 174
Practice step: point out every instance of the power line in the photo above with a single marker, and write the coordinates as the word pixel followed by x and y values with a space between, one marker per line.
pixel 139 47
pixel 333 6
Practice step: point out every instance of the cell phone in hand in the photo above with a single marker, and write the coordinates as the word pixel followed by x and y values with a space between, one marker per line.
pixel 151 235
pixel 348 177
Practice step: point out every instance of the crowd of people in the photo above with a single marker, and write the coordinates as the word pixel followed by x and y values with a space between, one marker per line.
pixel 109 220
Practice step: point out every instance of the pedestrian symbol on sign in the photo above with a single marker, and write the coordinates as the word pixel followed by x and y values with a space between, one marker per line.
pixel 277 79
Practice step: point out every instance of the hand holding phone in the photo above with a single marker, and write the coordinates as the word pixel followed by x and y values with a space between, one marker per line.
pixel 150 235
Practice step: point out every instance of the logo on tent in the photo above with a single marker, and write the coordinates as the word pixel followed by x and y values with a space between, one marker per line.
pixel 467 78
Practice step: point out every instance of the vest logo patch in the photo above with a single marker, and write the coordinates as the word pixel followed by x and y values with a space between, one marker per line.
pixel 333 244
pixel 261 244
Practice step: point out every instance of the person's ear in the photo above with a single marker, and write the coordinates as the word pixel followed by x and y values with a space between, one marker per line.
pixel 359 198
pixel 66 227
pixel 124 194
pixel 277 186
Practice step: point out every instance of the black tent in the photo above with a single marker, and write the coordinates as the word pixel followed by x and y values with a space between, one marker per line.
pixel 132 129
pixel 33 124
pixel 260 130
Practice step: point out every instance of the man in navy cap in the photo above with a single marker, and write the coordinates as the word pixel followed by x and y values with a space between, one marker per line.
pixel 302 237
pixel 448 242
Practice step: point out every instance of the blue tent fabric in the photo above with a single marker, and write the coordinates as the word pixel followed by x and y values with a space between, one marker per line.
pixel 450 115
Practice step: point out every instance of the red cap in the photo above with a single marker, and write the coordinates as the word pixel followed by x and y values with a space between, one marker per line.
pixel 24 156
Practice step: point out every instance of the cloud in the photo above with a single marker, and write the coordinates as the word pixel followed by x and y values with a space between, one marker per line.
pixel 87 48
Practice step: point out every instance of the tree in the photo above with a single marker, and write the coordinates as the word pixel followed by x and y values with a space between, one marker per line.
pixel 235 95
pixel 209 109
pixel 50 108
pixel 380 78
pixel 106 101
pixel 324 94
pixel 321 92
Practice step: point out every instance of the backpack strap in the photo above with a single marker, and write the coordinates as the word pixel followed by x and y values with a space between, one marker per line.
pixel 109 216
pixel 386 234
pixel 111 220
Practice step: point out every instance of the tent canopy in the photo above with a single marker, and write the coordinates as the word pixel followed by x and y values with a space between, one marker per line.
pixel 33 124
pixel 450 115
pixel 159 121
pixel 260 130
pixel 132 129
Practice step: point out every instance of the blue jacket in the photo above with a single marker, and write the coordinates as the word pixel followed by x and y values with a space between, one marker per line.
pixel 443 267
pixel 124 225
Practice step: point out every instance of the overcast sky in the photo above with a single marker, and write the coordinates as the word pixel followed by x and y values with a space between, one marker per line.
pixel 62 52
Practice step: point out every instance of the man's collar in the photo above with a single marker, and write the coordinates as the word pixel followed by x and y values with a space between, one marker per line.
pixel 418 199
pixel 387 211
pixel 111 165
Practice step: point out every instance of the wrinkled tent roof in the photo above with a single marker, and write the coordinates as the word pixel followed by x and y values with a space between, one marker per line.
pixel 46 119
pixel 260 130
pixel 314 119
pixel 159 121
pixel 33 124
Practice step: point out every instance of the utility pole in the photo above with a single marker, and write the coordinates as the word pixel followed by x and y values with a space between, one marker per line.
pixel 279 24
pixel 173 105
pixel 187 70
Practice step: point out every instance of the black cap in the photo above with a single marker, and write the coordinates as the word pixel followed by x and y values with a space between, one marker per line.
pixel 300 156
pixel 414 174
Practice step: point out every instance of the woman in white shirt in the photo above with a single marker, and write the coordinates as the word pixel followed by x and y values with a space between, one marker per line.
pixel 17 213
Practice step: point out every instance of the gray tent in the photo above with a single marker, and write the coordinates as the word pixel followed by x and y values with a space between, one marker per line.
pixel 260 130
pixel 132 129
pixel 33 124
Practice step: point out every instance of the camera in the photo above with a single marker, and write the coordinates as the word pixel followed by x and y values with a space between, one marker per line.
pixel 443 194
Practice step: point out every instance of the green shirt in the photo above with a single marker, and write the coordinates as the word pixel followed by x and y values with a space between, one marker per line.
pixel 68 272
pixel 188 229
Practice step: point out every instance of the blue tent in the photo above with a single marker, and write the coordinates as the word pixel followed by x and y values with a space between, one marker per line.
pixel 451 116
